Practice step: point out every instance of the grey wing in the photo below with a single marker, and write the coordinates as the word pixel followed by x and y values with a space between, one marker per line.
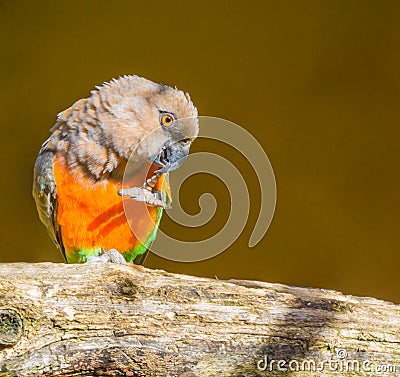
pixel 45 195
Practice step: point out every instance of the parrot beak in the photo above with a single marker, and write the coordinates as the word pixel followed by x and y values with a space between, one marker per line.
pixel 172 156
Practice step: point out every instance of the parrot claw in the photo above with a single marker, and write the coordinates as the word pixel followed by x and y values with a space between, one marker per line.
pixel 110 256
pixel 159 195
pixel 142 194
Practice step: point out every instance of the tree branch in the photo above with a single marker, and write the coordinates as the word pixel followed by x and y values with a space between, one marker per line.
pixel 105 319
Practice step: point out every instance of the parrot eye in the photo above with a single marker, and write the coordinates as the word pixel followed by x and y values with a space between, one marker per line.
pixel 167 119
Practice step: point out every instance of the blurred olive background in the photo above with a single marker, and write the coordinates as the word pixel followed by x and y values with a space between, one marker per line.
pixel 316 82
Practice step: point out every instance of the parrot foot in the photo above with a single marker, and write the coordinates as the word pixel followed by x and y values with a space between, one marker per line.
pixel 110 256
pixel 142 194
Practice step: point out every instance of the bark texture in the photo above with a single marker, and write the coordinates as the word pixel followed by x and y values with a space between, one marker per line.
pixel 104 319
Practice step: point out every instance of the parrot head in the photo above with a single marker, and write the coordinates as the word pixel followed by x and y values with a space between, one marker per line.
pixel 127 119
pixel 150 122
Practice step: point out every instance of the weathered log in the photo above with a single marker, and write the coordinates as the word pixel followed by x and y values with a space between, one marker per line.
pixel 105 319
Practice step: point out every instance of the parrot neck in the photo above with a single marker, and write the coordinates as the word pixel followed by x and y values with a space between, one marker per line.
pixel 133 172
pixel 118 173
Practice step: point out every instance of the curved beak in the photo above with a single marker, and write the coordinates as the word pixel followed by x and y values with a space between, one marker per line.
pixel 172 156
